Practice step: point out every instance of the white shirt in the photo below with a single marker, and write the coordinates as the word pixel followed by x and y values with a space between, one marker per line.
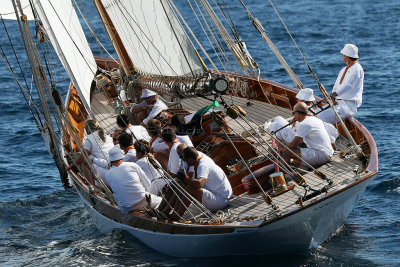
pixel 148 169
pixel 139 132
pixel 122 95
pixel 314 134
pixel 128 182
pixel 159 144
pixel 185 139
pixel 96 146
pixel 352 85
pixel 216 180
pixel 157 108
pixel 130 156
pixel 174 161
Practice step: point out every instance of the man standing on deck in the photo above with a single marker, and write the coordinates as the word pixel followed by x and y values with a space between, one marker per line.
pixel 347 91
pixel 149 108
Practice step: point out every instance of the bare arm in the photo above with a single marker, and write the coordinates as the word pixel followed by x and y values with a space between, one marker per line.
pixel 296 142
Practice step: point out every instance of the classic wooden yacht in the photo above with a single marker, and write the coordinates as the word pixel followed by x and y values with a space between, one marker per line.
pixel 155 52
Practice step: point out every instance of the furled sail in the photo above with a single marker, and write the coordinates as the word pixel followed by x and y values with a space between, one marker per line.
pixel 7 9
pixel 62 25
pixel 153 37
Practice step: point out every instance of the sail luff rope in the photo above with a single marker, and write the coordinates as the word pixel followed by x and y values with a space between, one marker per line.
pixel 217 42
pixel 7 63
pixel 193 35
pixel 235 47
pixel 208 38
pixel 237 38
pixel 43 83
pixel 273 48
pixel 224 34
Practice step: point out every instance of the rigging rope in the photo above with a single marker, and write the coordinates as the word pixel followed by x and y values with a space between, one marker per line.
pixel 320 86
pixel 273 48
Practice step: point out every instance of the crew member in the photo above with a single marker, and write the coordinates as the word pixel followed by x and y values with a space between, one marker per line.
pixel 129 183
pixel 209 184
pixel 125 143
pixel 347 91
pixel 174 162
pixel 137 131
pixel 156 179
pixel 286 135
pixel 149 108
pixel 312 132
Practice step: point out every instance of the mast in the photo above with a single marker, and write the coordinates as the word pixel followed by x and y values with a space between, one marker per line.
pixel 42 86
pixel 126 62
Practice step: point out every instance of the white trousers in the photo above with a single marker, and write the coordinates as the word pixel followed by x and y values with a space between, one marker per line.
pixel 344 108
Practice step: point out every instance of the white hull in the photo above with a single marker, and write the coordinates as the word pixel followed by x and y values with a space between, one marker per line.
pixel 295 233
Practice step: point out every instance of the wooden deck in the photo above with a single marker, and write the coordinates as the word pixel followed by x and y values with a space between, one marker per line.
pixel 252 207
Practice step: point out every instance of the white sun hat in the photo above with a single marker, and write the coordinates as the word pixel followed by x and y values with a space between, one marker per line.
pixel 306 94
pixel 147 93
pixel 350 50
pixel 115 154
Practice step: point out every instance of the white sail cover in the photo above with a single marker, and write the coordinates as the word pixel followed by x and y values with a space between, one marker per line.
pixel 153 37
pixel 7 9
pixel 66 34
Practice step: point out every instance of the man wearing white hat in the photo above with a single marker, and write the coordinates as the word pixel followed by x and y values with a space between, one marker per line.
pixel 149 108
pixel 287 134
pixel 306 95
pixel 348 88
pixel 129 183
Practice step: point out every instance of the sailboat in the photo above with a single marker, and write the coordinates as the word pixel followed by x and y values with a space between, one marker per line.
pixel 157 49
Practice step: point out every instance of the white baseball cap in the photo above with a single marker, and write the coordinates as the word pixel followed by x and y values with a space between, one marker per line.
pixel 147 93
pixel 305 94
pixel 115 154
pixel 350 50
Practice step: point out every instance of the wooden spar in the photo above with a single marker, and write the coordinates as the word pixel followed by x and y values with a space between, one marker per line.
pixel 42 87
pixel 116 41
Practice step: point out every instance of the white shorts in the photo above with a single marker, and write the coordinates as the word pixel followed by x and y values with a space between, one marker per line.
pixel 157 185
pixel 313 157
pixel 155 202
pixel 344 108
pixel 102 173
pixel 213 202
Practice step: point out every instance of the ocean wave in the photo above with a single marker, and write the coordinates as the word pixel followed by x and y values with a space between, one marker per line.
pixel 391 185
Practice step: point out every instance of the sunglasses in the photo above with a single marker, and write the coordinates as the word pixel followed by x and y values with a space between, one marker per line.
pixel 299 112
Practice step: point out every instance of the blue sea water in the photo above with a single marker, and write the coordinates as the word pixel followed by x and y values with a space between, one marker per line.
pixel 42 224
